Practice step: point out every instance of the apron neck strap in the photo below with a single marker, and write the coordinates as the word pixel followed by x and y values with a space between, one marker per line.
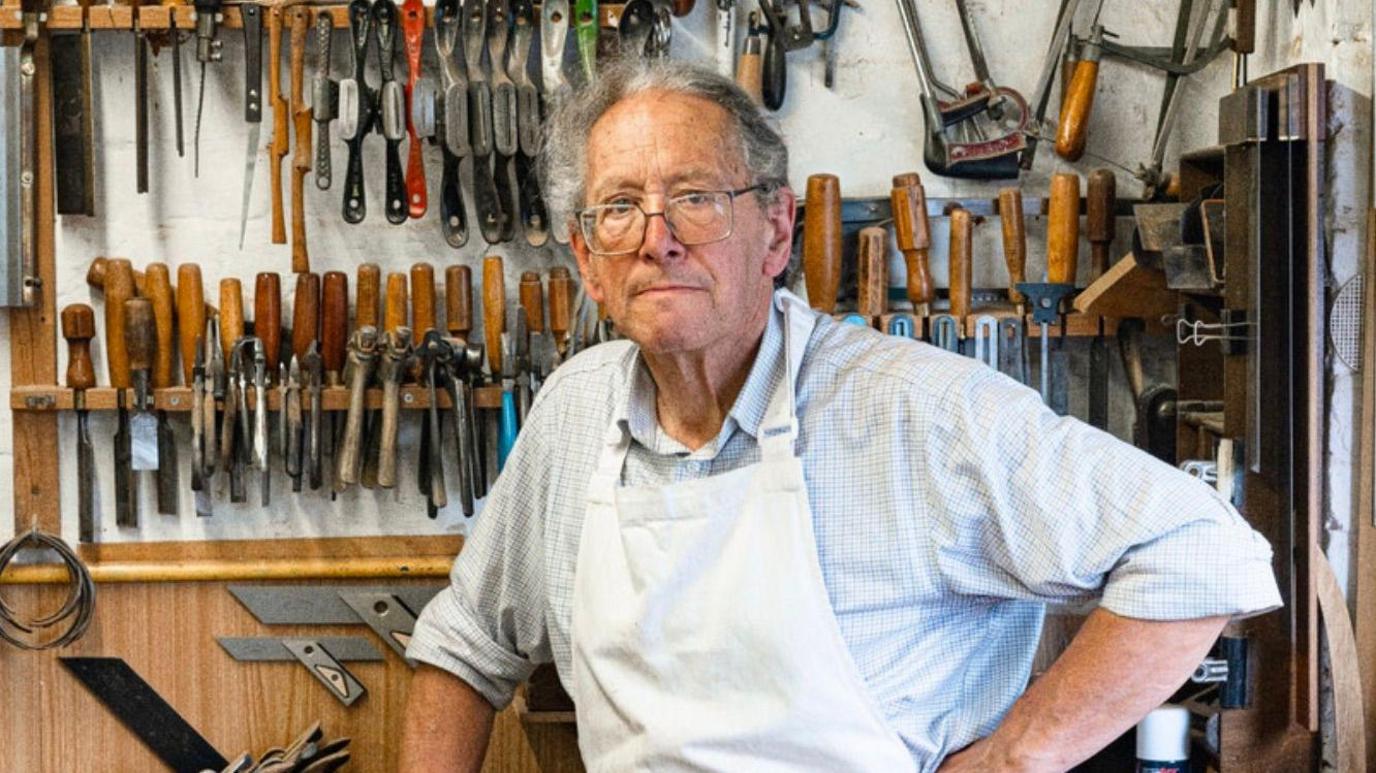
pixel 779 429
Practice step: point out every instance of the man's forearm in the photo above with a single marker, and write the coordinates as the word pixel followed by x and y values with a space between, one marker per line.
pixel 1114 671
pixel 447 724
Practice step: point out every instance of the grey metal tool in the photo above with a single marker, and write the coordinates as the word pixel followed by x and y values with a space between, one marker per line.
pixel 726 38
pixel 451 122
pixel 208 49
pixel 323 657
pixel 295 425
pixel 215 384
pixel 324 99
pixel 1013 348
pixel 434 354
pixel 73 141
pixel 554 35
pixel 329 670
pixel 260 420
pixel 357 110
pixel 357 373
pixel 385 613
pixel 320 604
pixel 534 217
pixel 177 82
pixel 25 114
pixel 460 402
pixel 140 103
pixel 987 340
pixel 946 332
pixel 505 132
pixel 392 110
pixel 312 367
pixel 395 355
pixel 252 16
pixel 492 217
pixel 199 395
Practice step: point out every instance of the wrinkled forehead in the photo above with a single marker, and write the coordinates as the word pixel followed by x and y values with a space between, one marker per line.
pixel 664 137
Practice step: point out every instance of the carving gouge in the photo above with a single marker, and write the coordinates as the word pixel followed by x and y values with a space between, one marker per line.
pixel 119 287
pixel 821 241
pixel 140 341
pixel 79 327
pixel 252 16
pixel 281 118
pixel 159 286
pixel 1101 196
pixel 301 158
pixel 908 201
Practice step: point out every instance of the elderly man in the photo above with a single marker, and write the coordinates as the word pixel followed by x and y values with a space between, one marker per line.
pixel 751 538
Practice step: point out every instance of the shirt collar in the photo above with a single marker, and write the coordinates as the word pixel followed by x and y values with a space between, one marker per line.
pixel 636 411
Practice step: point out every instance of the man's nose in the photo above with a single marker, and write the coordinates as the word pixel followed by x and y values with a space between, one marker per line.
pixel 660 243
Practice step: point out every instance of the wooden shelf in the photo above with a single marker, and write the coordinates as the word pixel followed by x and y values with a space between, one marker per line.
pixel 178 399
pixel 158 17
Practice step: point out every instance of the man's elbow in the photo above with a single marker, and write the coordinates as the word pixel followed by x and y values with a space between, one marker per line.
pixel 447 724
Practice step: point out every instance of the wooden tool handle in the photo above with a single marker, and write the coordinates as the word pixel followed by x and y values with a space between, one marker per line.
pixel 494 309
pixel 1063 229
pixel 267 316
pixel 394 307
pixel 1245 27
pixel 533 301
pixel 79 327
pixel 822 241
pixel 231 316
pixel 681 7
pixel 961 264
pixel 281 136
pixel 96 273
pixel 908 201
pixel 872 262
pixel 458 301
pixel 159 286
pixel 1101 195
pixel 140 333
pixel 560 304
pixel 190 315
pixel 305 314
pixel 334 323
pixel 1014 241
pixel 369 295
pixel 1073 125
pixel 302 155
pixel 423 313
pixel 119 287
pixel 750 70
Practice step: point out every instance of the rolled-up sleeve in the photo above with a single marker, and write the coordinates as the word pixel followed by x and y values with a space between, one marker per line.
pixel 488 626
pixel 1031 505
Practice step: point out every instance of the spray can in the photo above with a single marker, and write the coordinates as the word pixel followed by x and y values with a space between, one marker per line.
pixel 1163 741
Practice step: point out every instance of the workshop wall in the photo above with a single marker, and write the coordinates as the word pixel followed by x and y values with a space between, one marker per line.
pixel 865 129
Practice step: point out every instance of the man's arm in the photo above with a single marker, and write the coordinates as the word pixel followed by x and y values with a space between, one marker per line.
pixel 447 724
pixel 1115 671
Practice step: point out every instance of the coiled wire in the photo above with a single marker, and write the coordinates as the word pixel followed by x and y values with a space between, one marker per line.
pixel 76 610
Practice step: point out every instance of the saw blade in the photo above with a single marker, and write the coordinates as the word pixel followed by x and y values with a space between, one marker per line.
pixel 251 162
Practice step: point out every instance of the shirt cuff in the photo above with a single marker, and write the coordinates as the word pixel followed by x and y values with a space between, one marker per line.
pixel 448 637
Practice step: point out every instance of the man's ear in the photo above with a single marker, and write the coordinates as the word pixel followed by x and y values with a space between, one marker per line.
pixel 586 269
pixel 780 216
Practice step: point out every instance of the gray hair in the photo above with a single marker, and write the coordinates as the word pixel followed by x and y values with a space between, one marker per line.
pixel 563 157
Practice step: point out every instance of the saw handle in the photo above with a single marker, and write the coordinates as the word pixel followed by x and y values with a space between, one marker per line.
pixel 1014 241
pixel 494 310
pixel 305 314
pixel 190 315
pixel 961 265
pixel 231 316
pixel 119 287
pixel 822 241
pixel 458 301
pixel 334 323
pixel 1078 102
pixel 159 283
pixel 1100 197
pixel 1063 229
pixel 369 296
pixel 908 201
pixel 79 327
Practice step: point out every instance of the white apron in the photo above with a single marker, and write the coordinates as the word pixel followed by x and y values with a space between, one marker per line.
pixel 702 634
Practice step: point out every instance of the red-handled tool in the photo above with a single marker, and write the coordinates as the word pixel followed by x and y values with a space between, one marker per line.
pixel 413 33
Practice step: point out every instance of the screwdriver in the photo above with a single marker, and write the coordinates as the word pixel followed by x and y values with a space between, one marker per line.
pixel 119 287
pixel 1100 197
pixel 872 281
pixel 560 308
pixel 822 241
pixel 267 318
pixel 159 285
pixel 79 327
pixel 909 204
pixel 458 301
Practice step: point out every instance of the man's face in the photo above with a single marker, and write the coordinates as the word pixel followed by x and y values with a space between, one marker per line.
pixel 667 297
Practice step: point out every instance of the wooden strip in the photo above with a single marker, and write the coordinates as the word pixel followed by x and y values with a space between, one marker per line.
pixel 273 549
pixel 33 340
pixel 47 399
pixel 1348 722
pixel 237 571
pixel 1364 519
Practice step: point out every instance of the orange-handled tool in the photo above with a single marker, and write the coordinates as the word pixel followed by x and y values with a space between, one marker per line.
pixel 458 301
pixel 369 296
pixel 1078 104
pixel 231 316
pixel 190 315
pixel 872 274
pixel 119 287
pixel 961 265
pixel 1100 197
pixel 911 228
pixel 1063 229
pixel 1014 243
pixel 822 241
pixel 494 310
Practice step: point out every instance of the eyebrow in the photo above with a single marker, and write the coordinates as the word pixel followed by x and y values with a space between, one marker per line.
pixel 697 174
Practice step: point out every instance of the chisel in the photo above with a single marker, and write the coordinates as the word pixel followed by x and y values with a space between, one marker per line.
pixel 281 118
pixel 157 280
pixel 395 313
pixel 369 296
pixel 119 287
pixel 1013 332
pixel 305 335
pixel 560 308
pixel 494 311
pixel 532 293
pixel 267 317
pixel 251 15
pixel 190 315
pixel 458 301
pixel 140 343
pixel 1062 254
pixel 749 70
pixel 232 439
pixel 79 327
pixel 822 241
pixel 1100 197
pixel 908 201
pixel 423 305
pixel 334 338
pixel 200 397
pixel 366 315
pixel 305 314
pixel 301 159
pixel 74 145
pixel 872 276
pixel 961 266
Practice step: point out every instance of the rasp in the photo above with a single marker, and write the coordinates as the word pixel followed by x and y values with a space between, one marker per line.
pixel 252 15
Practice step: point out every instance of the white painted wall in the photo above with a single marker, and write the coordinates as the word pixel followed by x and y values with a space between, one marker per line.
pixel 866 129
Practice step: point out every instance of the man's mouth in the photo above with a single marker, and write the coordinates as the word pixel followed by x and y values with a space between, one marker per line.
pixel 666 289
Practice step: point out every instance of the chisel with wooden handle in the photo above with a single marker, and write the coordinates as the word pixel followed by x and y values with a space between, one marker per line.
pixel 267 318
pixel 1100 198
pixel 140 343
pixel 494 311
pixel 822 241
pixel 1076 107
pixel 281 122
pixel 395 311
pixel 231 438
pixel 302 158
pixel 305 314
pixel 334 338
pixel 1062 254
pixel 872 274
pixel 95 277
pixel 368 297
pixel 560 308
pixel 423 309
pixel 532 293
pixel 458 301
pixel 908 201
pixel 191 315
pixel 119 287
pixel 961 264
pixel 159 284
pixel 231 315
pixel 749 70
pixel 79 327
pixel 1014 243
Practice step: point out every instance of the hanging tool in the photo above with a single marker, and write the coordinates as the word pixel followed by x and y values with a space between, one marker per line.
pixel 961 276
pixel 267 317
pixel 871 260
pixel 140 101
pixel 73 140
pixel 79 327
pixel 1013 332
pixel 1073 125
pixel 295 425
pixel 908 202
pixel 357 110
pixel 232 440
pixel 176 80
pixel 458 301
pixel 301 159
pixel 119 287
pixel 634 29
pixel 1041 96
pixel 534 218
pixel 433 353
pixel 585 25
pixel 252 16
pixel 199 394
pixel 1062 255
pixel 505 132
pixel 302 442
pixel 554 35
pixel 158 284
pixel 726 38
pixel 334 337
pixel 281 121
pixel 140 343
pixel 451 118
pixel 324 100
pixel 361 359
pixel 191 315
pixel 391 108
pixel 491 218
pixel 311 368
pixel 785 37
pixel 1100 199
pixel 561 309
pixel 208 49
pixel 821 241
pixel 750 69
pixel 413 32
pixel 982 106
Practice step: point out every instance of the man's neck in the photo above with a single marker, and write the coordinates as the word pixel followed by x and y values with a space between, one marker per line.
pixel 694 391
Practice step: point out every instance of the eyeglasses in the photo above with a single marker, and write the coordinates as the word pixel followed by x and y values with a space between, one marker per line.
pixel 700 217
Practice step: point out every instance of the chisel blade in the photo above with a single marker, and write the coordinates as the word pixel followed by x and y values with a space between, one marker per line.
pixel 251 160
pixel 167 467
pixel 1098 382
pixel 126 509
pixel 86 473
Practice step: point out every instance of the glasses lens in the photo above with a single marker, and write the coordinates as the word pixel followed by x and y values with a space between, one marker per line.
pixel 614 227
pixel 699 218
